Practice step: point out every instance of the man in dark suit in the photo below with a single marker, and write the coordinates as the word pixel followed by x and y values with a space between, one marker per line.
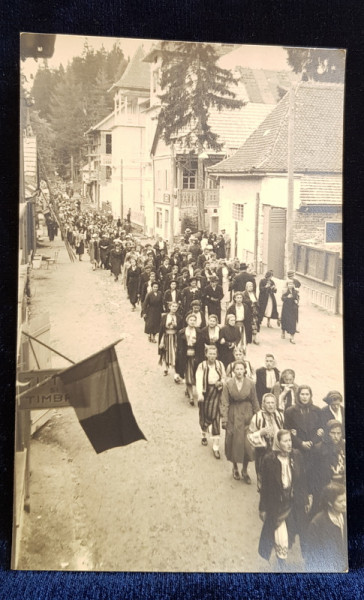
pixel 240 281
pixel 267 377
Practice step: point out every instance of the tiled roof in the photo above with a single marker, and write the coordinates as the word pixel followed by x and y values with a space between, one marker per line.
pixel 321 189
pixel 136 74
pixel 263 85
pixel 318 130
pixel 235 126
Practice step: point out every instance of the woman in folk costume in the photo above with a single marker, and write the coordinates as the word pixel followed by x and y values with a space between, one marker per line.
pixel 238 309
pixel 267 299
pixel 146 286
pixel 229 338
pixel 251 319
pixel 286 390
pixel 262 430
pixel 132 283
pixel 167 341
pixel 79 244
pixel 210 375
pixel 172 294
pixel 289 315
pixel 152 312
pixel 284 501
pixel 128 253
pixel 115 259
pixel 329 460
pixel 210 335
pixel 94 251
pixel 196 309
pixel 189 354
pixel 327 535
pixel 238 405
pixel 239 354
pixel 334 409
pixel 225 275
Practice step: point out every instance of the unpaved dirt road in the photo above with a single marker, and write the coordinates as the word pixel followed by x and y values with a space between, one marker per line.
pixel 165 504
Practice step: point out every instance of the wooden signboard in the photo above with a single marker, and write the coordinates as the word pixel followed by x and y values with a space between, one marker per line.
pixel 49 395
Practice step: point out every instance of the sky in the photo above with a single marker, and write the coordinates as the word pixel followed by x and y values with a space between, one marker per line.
pixel 68 46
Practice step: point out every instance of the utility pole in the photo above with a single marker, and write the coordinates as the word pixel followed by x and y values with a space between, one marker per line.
pixel 290 176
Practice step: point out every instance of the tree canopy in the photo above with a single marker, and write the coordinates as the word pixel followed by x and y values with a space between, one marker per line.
pixel 318 64
pixel 68 101
pixel 191 84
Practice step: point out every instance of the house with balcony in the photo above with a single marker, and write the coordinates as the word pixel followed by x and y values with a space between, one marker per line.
pixel 253 187
pixel 97 174
pixel 131 178
pixel 176 169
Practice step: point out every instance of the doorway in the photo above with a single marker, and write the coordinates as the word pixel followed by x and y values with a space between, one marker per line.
pixel 276 241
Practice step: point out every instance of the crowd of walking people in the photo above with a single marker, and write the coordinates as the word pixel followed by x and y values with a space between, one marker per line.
pixel 202 309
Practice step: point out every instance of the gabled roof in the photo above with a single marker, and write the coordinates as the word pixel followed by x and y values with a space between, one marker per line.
pixel 235 126
pixel 318 131
pixel 104 125
pixel 136 75
pixel 321 189
pixel 264 85
pixel 232 126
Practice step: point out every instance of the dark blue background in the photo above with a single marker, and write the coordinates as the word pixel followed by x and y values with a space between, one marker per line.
pixel 330 23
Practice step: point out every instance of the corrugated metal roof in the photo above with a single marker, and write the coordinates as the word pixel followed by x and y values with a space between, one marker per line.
pixel 318 132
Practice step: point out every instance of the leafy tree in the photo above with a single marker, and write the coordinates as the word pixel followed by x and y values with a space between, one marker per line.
pixel 191 84
pixel 45 142
pixel 69 123
pixel 72 100
pixel 318 64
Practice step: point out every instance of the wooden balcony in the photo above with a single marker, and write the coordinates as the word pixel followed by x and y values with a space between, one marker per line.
pixel 189 198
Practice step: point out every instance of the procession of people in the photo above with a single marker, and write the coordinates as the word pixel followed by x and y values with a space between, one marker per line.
pixel 203 309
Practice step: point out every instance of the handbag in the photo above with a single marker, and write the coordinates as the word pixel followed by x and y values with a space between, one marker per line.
pixel 256 440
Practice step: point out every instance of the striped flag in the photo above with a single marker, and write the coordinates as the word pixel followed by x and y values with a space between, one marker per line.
pixel 98 394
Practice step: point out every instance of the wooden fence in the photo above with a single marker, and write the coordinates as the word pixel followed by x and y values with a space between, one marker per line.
pixel 318 271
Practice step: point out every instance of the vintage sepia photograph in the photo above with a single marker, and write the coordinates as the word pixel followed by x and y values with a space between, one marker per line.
pixel 180 382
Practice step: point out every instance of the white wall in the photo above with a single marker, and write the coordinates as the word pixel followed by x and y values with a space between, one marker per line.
pixel 239 191
pixel 273 191
pixel 128 144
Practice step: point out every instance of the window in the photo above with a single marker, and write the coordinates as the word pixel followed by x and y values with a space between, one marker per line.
pixel 158 216
pixel 108 173
pixel 238 212
pixel 108 143
pixel 333 232
pixel 189 175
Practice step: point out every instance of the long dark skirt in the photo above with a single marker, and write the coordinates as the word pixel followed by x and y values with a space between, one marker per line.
pixel 272 522
pixel 289 317
pixel 209 410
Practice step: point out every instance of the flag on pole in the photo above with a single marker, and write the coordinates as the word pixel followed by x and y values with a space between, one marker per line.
pixel 98 394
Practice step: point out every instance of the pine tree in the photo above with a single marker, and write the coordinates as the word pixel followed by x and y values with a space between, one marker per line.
pixel 191 84
pixel 318 64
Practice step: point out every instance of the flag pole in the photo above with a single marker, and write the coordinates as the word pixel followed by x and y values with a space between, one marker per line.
pixel 49 347
pixel 35 387
pixel 94 354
